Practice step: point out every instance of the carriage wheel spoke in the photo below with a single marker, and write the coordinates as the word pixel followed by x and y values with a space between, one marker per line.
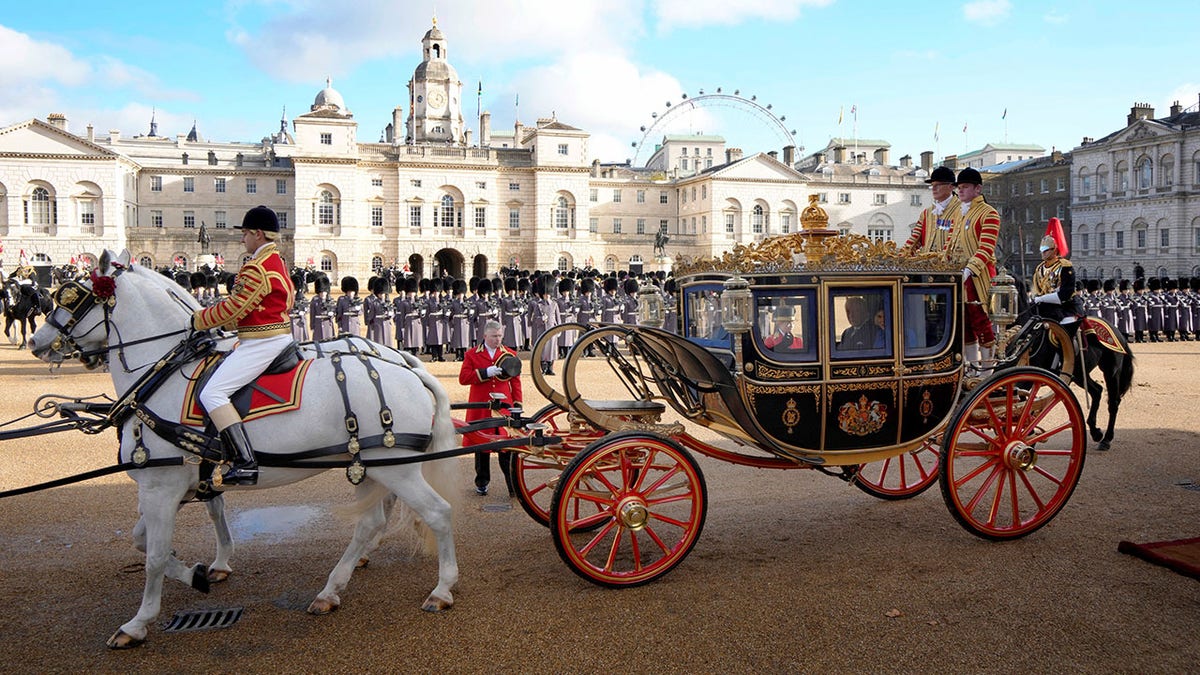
pixel 1033 493
pixel 597 538
pixel 987 483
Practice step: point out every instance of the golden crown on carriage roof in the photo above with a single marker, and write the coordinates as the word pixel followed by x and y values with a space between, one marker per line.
pixel 815 247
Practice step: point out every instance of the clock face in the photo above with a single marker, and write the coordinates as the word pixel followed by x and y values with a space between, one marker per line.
pixel 437 99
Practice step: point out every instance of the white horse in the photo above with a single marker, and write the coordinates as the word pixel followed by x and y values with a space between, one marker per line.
pixel 137 317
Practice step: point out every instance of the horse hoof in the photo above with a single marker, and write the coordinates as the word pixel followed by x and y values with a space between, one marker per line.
pixel 362 562
pixel 321 607
pixel 1097 435
pixel 123 640
pixel 200 578
pixel 1104 446
pixel 436 604
pixel 217 576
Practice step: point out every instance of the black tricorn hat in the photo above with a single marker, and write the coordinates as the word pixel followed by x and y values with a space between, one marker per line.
pixel 969 176
pixel 260 218
pixel 942 174
pixel 349 284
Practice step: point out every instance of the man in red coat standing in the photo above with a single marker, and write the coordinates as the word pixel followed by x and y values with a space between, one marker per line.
pixel 481 370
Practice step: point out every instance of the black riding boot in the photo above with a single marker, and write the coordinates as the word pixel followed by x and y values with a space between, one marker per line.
pixel 245 469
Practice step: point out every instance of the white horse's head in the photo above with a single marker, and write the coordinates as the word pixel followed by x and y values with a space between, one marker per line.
pixel 87 315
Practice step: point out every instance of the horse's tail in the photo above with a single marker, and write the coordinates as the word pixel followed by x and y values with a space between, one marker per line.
pixel 1126 369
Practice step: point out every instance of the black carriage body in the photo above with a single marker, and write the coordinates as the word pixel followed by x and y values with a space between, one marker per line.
pixel 836 364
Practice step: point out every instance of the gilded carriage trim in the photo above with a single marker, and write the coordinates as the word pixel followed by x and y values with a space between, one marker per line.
pixel 753 390
pixel 769 373
pixel 864 371
pixel 935 366
pixel 858 386
pixel 862 417
pixel 791 416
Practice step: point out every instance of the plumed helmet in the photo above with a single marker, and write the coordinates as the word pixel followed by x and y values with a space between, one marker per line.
pixel 566 285
pixel 349 284
pixel 610 284
pixel 631 286
pixel 510 284
pixel 321 284
pixel 260 218
pixel 485 286
pixel 184 279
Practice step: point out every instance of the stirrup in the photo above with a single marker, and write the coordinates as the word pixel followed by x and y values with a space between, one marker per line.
pixel 241 475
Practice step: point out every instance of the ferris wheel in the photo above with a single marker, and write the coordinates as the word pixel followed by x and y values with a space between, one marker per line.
pixel 719 99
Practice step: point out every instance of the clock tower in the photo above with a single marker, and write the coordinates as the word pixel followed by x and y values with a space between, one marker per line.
pixel 435 96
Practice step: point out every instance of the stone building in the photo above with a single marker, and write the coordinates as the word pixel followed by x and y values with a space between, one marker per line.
pixel 428 196
pixel 1028 194
pixel 1136 197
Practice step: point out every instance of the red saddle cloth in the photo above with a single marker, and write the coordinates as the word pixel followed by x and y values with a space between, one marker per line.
pixel 268 395
pixel 1105 333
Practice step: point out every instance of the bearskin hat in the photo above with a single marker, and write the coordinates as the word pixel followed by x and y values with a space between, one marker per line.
pixel 586 285
pixel 321 284
pixel 1195 284
pixel 1110 285
pixel 1171 285
pixel 631 286
pixel 1139 284
pixel 523 285
pixel 458 287
pixel 669 285
pixel 1124 285
pixel 610 284
pixel 1093 285
pixel 473 284
pixel 349 284
pixel 1155 284
pixel 566 285
pixel 510 284
pixel 184 279
pixel 485 287
pixel 410 285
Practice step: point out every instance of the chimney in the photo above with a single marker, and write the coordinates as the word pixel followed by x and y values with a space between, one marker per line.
pixel 951 162
pixel 595 168
pixel 1056 156
pixel 91 133
pixel 57 120
pixel 114 135
pixel 732 155
pixel 927 161
pixel 467 137
pixel 906 162
pixel 773 154
pixel 881 156
pixel 397 124
pixel 1176 108
pixel 820 156
pixel 518 132
pixel 485 129
pixel 789 154
pixel 1139 111
pixel 839 155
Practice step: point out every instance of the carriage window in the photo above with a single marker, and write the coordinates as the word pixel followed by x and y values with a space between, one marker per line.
pixel 927 320
pixel 783 325
pixel 861 321
pixel 702 312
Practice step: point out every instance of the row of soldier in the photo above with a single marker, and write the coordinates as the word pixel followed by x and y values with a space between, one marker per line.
pixel 1149 310
pixel 443 316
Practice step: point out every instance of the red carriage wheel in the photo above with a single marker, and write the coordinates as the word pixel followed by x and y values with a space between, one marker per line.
pixel 902 476
pixel 651 503
pixel 1013 454
pixel 534 477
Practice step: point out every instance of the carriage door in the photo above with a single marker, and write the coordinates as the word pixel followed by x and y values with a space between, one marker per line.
pixel 862 398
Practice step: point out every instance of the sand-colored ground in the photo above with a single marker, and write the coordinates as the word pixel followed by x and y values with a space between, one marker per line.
pixel 795 571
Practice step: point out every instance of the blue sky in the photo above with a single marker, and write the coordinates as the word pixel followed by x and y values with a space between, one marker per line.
pixel 1062 70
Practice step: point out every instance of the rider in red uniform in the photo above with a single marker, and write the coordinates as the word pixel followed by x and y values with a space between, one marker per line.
pixel 259 307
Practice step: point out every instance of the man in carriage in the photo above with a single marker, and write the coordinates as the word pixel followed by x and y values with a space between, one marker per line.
pixel 934 223
pixel 259 307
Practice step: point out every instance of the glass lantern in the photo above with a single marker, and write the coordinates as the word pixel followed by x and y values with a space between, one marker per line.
pixel 736 305
pixel 650 307
pixel 1004 298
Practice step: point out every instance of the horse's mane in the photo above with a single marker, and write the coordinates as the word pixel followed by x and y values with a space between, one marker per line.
pixel 163 282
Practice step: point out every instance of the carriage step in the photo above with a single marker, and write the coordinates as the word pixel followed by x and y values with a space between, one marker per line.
pixel 203 619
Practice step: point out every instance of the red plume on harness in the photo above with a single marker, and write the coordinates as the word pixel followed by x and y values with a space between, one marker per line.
pixel 1054 230
pixel 103 287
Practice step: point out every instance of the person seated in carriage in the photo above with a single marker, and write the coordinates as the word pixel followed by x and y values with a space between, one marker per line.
pixel 258 305
pixel 783 339
pixel 1054 282
pixel 863 332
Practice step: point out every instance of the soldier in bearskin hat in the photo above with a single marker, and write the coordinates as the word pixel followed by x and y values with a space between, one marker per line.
pixel 1154 308
pixel 320 311
pixel 436 312
pixel 543 315
pixel 1124 308
pixel 629 303
pixel 258 306
pixel 409 311
pixel 348 311
pixel 1141 306
pixel 460 318
pixel 511 311
pixel 299 311
pixel 485 308
pixel 1170 309
pixel 377 312
pixel 568 312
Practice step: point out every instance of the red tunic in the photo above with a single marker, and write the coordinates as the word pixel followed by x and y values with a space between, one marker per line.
pixel 474 374
pixel 261 301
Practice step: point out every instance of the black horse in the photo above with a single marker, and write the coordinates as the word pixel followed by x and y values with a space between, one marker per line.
pixel 22 304
pixel 1113 357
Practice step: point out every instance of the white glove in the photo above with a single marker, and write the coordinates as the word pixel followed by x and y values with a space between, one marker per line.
pixel 1049 298
pixel 493 371
pixel 966 273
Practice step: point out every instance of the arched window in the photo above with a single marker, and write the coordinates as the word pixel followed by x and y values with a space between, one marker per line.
pixel 1145 174
pixel 445 215
pixel 1166 170
pixel 326 263
pixel 564 263
pixel 325 208
pixel 376 263
pixel 144 260
pixel 40 210
pixel 1102 180
pixel 757 219
pixel 562 213
pixel 610 264
pixel 1122 176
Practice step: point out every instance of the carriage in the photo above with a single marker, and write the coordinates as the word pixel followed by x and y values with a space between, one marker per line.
pixel 808 351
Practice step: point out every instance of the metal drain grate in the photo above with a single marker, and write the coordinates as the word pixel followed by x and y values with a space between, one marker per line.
pixel 496 508
pixel 203 619
pixel 1195 487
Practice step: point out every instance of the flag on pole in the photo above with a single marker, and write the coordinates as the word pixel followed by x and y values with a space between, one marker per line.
pixel 935 130
pixel 1005 115
pixel 841 110
pixel 480 93
pixel 964 127
pixel 854 109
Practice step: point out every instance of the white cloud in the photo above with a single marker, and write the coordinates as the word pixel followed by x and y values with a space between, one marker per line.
pixel 987 12
pixel 672 13
pixel 27 60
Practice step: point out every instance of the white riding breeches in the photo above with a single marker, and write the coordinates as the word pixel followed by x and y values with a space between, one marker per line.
pixel 245 363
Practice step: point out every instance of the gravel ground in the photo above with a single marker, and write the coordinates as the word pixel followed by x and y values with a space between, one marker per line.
pixel 795 571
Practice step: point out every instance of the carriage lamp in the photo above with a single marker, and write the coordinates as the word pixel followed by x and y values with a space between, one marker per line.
pixel 1004 298
pixel 650 307
pixel 736 301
